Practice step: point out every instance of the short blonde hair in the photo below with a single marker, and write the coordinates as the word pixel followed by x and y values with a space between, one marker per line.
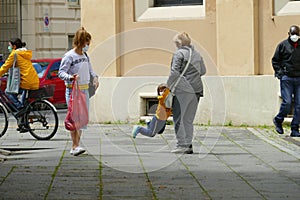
pixel 81 37
pixel 182 39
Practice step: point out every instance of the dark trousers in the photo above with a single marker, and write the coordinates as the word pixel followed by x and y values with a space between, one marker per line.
pixel 290 90
pixel 14 98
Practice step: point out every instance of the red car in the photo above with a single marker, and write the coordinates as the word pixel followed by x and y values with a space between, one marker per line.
pixel 47 70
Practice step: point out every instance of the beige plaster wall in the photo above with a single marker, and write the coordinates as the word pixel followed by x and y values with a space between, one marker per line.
pixel 117 17
pixel 239 36
pixel 272 30
pixel 101 19
pixel 236 37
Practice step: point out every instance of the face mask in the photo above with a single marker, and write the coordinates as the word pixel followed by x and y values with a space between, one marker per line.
pixel 294 38
pixel 9 49
pixel 161 93
pixel 86 48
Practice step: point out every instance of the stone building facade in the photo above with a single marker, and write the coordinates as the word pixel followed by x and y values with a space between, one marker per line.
pixel 47 26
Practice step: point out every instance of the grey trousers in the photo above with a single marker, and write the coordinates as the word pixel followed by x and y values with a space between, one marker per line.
pixel 184 111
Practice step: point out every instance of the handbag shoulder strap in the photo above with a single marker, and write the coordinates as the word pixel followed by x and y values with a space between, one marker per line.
pixel 172 87
pixel 87 56
pixel 15 60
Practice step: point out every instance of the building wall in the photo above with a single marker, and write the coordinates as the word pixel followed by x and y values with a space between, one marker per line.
pixel 49 41
pixel 273 28
pixel 132 49
pixel 235 100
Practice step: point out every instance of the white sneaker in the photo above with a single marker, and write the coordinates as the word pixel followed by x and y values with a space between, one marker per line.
pixel 72 151
pixel 78 150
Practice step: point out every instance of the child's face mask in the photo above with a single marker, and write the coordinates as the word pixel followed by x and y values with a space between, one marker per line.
pixel 161 92
pixel 86 48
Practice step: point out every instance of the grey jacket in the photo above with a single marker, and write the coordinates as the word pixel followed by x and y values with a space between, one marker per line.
pixel 191 81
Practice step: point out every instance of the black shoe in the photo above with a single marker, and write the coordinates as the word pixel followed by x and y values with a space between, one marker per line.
pixel 22 129
pixel 295 133
pixel 278 126
pixel 189 150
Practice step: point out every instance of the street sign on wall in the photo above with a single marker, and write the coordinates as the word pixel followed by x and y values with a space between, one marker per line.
pixel 46 21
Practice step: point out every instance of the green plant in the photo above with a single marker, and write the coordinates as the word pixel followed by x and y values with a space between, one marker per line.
pixel 169 122
pixel 229 123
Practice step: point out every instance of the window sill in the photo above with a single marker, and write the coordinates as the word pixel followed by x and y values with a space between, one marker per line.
pixel 74 6
pixel 291 8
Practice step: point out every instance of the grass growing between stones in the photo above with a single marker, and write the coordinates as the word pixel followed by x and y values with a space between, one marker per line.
pixel 55 173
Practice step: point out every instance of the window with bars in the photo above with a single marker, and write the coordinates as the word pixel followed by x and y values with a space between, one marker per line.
pixel 162 3
pixel 10 26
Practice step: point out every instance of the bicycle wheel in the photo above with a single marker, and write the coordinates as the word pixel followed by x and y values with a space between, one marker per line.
pixel 42 119
pixel 3 120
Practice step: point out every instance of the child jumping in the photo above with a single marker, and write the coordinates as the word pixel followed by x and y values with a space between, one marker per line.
pixel 158 123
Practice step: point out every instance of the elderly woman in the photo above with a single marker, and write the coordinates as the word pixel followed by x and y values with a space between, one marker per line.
pixel 187 92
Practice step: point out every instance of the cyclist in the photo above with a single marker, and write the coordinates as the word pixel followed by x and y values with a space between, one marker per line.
pixel 29 79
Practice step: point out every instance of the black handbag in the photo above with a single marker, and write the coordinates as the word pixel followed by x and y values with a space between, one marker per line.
pixel 92 88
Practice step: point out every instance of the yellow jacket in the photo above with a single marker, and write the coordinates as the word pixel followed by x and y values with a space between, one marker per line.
pixel 29 78
pixel 162 112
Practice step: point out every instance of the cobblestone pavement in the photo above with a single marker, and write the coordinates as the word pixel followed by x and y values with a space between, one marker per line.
pixel 228 163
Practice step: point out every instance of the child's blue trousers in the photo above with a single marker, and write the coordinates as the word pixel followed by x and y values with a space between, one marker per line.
pixel 153 127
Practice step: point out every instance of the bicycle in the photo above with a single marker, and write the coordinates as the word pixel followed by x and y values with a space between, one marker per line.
pixel 38 116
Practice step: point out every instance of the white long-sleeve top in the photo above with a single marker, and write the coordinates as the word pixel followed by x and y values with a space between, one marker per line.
pixel 73 63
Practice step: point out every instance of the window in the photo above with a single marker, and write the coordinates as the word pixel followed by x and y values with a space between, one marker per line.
pixel 70 41
pixel 53 72
pixel 74 3
pixel 151 105
pixel 160 3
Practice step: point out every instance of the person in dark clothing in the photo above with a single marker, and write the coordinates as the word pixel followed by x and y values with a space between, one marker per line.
pixel 286 64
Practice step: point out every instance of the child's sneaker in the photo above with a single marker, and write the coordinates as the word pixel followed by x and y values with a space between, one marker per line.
pixel 147 121
pixel 135 131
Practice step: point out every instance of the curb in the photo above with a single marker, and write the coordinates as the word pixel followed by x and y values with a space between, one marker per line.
pixel 277 141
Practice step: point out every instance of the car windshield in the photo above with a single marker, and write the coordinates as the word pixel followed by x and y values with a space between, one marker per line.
pixel 40 68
